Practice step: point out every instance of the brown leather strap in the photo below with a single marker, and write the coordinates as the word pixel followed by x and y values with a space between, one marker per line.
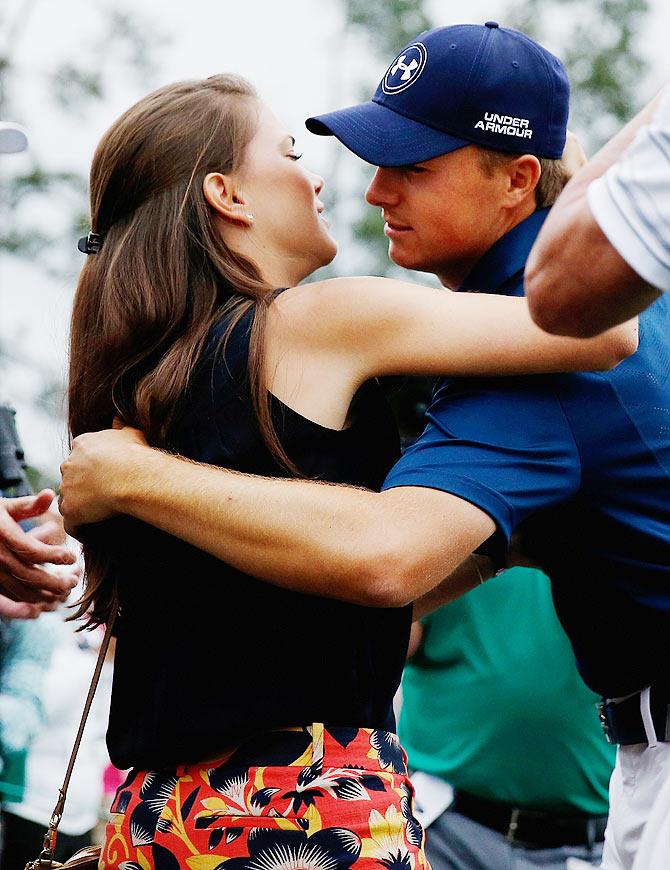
pixel 46 857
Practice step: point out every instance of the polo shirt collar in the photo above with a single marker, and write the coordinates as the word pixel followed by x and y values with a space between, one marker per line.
pixel 507 257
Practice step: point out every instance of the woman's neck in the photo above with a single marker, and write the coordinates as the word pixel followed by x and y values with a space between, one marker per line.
pixel 277 268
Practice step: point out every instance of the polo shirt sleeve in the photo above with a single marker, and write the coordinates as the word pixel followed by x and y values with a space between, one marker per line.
pixel 504 446
pixel 631 201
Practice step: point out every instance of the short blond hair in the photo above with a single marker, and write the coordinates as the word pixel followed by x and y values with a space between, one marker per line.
pixel 553 174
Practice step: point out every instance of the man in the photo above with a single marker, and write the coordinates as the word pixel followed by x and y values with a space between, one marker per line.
pixel 25 587
pixel 495 454
pixel 604 254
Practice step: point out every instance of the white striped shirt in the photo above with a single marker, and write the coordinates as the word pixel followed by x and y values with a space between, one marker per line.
pixel 631 201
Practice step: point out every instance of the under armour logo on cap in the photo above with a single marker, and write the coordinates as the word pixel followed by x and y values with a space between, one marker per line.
pixel 405 69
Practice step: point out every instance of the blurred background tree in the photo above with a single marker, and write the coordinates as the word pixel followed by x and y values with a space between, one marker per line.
pixel 43 200
pixel 121 46
pixel 386 27
pixel 598 42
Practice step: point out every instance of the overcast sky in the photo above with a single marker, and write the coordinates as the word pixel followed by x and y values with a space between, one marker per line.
pixel 291 51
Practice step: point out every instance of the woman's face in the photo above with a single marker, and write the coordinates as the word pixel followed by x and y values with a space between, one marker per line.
pixel 283 197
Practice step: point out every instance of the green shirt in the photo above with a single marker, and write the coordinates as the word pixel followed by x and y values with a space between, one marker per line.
pixel 493 702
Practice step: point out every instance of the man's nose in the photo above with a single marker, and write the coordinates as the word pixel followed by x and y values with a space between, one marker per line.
pixel 382 190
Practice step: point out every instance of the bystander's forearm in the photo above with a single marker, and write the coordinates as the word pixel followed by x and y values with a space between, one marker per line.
pixel 576 282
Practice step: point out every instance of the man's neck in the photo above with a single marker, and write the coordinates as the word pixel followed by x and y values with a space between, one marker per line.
pixel 456 272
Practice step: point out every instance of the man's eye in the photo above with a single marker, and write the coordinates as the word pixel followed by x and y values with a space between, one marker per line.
pixel 294 155
pixel 415 170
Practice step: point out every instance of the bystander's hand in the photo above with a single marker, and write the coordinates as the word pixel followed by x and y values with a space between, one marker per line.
pixel 96 473
pixel 29 580
pixel 573 157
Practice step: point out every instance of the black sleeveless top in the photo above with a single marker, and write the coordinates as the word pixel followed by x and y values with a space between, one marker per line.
pixel 207 655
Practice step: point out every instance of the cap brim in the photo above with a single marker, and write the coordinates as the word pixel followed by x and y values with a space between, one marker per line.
pixel 383 137
pixel 13 138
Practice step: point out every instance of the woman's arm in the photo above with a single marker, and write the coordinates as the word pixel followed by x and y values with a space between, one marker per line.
pixel 379 326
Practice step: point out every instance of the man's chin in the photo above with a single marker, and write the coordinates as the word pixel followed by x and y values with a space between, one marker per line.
pixel 404 258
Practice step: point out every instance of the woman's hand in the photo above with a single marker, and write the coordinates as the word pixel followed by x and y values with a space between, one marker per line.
pixel 96 473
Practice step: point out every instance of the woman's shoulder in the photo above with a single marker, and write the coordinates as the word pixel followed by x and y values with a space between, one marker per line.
pixel 329 290
pixel 322 314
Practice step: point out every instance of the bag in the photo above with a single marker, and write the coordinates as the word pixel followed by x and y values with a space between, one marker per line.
pixel 88 858
pixel 84 859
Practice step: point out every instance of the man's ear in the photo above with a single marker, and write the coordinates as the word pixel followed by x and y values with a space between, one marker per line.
pixel 523 174
pixel 221 194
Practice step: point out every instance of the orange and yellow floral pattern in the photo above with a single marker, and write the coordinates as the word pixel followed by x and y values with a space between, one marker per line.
pixel 309 798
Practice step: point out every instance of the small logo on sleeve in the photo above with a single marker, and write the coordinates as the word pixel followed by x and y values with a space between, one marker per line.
pixel 405 69
pixel 505 124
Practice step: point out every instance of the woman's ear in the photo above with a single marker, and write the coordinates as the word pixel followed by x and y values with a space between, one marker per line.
pixel 220 193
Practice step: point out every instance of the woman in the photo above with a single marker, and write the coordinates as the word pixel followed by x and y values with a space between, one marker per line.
pixel 257 721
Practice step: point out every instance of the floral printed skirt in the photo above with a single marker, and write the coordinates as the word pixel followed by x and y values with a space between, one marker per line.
pixel 311 798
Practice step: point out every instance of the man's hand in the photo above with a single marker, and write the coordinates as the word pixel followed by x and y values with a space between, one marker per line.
pixel 94 474
pixel 24 555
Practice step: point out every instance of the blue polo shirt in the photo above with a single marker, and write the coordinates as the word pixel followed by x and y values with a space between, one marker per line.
pixel 583 460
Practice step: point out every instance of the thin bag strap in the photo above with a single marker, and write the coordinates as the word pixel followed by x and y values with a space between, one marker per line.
pixel 46 857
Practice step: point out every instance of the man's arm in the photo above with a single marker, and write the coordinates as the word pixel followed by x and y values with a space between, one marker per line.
pixel 577 283
pixel 377 549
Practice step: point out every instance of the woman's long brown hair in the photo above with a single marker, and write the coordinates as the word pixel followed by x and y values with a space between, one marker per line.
pixel 146 302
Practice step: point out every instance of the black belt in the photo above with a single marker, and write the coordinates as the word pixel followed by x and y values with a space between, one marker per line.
pixel 622 720
pixel 534 829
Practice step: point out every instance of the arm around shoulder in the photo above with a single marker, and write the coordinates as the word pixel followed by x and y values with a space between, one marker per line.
pixel 375 549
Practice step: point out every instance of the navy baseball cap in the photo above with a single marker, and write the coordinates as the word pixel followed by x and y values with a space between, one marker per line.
pixel 456 86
